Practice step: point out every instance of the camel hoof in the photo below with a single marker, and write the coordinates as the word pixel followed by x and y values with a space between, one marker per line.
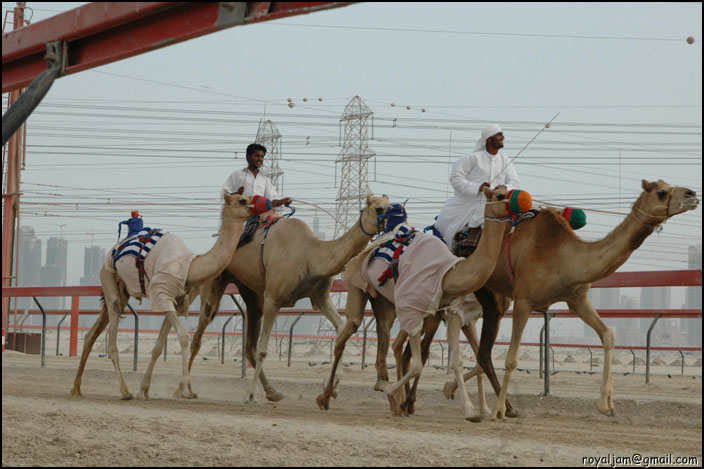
pixel 250 399
pixel 323 402
pixel 127 397
pixel 76 392
pixel 475 418
pixel 381 386
pixel 511 413
pixel 449 390
pixel 605 409
pixel 274 396
pixel 143 395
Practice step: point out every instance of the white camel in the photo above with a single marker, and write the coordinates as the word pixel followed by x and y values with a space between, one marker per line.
pixel 169 278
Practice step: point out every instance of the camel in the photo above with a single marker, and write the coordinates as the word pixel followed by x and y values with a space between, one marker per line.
pixel 470 311
pixel 552 264
pixel 277 269
pixel 173 277
pixel 425 261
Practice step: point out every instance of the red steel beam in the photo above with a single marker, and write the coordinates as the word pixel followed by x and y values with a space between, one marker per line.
pixel 665 278
pixel 668 278
pixel 103 32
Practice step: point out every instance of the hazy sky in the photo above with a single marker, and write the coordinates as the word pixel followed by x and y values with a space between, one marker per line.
pixel 159 132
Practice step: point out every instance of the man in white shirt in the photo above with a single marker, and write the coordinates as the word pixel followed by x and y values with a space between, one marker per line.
pixel 251 181
pixel 487 166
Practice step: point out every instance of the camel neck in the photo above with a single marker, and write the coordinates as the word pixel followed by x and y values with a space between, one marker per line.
pixel 471 273
pixel 214 261
pixel 342 249
pixel 603 257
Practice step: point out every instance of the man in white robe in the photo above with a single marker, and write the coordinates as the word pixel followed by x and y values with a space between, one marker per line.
pixel 487 166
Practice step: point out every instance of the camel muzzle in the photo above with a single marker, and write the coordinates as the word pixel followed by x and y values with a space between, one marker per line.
pixel 690 204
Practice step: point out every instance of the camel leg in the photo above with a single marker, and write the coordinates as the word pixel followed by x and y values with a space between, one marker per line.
pixel 185 389
pixel 470 332
pixel 88 343
pixel 431 324
pixel 413 372
pixel 325 305
pixel 354 310
pixel 269 311
pixel 493 308
pixel 521 313
pixel 454 322
pixel 211 293
pixel 583 307
pixel 399 356
pixel 156 353
pixel 385 313
pixel 114 320
pixel 254 303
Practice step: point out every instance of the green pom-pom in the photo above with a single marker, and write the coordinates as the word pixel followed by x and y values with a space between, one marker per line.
pixel 519 201
pixel 576 217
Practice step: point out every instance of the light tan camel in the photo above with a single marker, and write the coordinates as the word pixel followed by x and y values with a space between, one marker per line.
pixel 469 311
pixel 174 274
pixel 465 277
pixel 552 264
pixel 296 264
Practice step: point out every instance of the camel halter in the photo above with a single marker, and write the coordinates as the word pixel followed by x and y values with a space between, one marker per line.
pixel 379 221
pixel 664 217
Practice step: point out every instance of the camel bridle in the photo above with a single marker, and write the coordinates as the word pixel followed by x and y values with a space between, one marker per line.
pixel 664 218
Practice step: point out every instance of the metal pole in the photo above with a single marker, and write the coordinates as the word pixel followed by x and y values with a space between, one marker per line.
pixel 682 356
pixel 166 342
pixel 591 359
pixel 43 329
pixel 222 341
pixel 552 350
pixel 136 336
pixel 442 355
pixel 647 350
pixel 364 341
pixel 540 360
pixel 547 360
pixel 58 333
pixel 634 361
pixel 290 337
pixel 244 336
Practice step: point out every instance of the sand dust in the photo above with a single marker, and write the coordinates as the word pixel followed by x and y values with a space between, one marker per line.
pixel 42 424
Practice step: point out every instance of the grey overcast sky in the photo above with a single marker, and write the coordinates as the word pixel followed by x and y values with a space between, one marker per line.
pixel 160 132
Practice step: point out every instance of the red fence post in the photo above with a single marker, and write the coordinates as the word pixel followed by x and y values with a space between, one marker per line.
pixel 73 342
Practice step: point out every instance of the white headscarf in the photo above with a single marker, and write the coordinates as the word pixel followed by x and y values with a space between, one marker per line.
pixel 488 132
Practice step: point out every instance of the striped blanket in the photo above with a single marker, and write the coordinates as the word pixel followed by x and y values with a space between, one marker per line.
pixel 138 245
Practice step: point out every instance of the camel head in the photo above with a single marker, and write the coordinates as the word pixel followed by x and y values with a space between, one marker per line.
pixel 660 201
pixel 504 203
pixel 372 215
pixel 236 206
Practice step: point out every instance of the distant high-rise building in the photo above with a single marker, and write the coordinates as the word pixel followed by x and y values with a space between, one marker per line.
pixel 694 299
pixel 93 258
pixel 30 259
pixel 653 298
pixel 54 271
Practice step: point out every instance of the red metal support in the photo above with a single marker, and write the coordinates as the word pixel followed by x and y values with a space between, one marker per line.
pixel 103 32
pixel 73 341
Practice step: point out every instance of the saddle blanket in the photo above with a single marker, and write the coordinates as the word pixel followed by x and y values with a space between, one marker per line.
pixel 166 270
pixel 418 289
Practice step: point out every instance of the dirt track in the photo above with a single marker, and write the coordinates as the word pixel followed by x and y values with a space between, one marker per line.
pixel 42 424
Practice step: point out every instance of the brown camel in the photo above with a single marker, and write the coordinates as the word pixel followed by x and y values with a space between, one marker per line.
pixel 173 275
pixel 449 278
pixel 296 264
pixel 552 264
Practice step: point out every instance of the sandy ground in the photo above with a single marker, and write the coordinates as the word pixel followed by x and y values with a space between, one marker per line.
pixel 42 424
